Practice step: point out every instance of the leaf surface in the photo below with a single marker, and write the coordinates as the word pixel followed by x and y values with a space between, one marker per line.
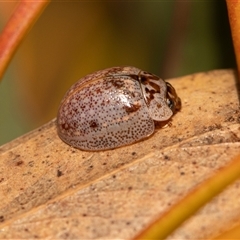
pixel 51 190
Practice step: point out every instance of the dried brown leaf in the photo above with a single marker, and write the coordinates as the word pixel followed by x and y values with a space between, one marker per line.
pixel 51 190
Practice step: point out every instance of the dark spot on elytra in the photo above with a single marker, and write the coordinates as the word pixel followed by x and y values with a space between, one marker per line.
pixel 105 102
pixel 93 124
pixel 117 83
pixel 149 75
pixel 159 105
pixel 74 124
pixel 155 86
pixel 144 79
pixel 74 111
pixel 134 76
pixel 1 218
pixel 65 126
pixel 98 91
pixel 132 94
pixel 132 108
pixel 151 92
pixel 150 95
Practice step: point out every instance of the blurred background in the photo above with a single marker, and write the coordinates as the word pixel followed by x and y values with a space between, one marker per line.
pixel 72 39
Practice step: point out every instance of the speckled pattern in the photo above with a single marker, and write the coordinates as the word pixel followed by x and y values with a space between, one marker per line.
pixel 112 108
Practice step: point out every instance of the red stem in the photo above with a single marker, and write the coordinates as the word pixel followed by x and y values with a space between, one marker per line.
pixel 22 19
pixel 234 19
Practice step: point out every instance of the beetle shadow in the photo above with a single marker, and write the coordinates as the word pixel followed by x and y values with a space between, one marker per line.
pixel 163 124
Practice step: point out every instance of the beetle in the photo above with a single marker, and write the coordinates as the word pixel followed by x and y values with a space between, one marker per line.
pixel 114 107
